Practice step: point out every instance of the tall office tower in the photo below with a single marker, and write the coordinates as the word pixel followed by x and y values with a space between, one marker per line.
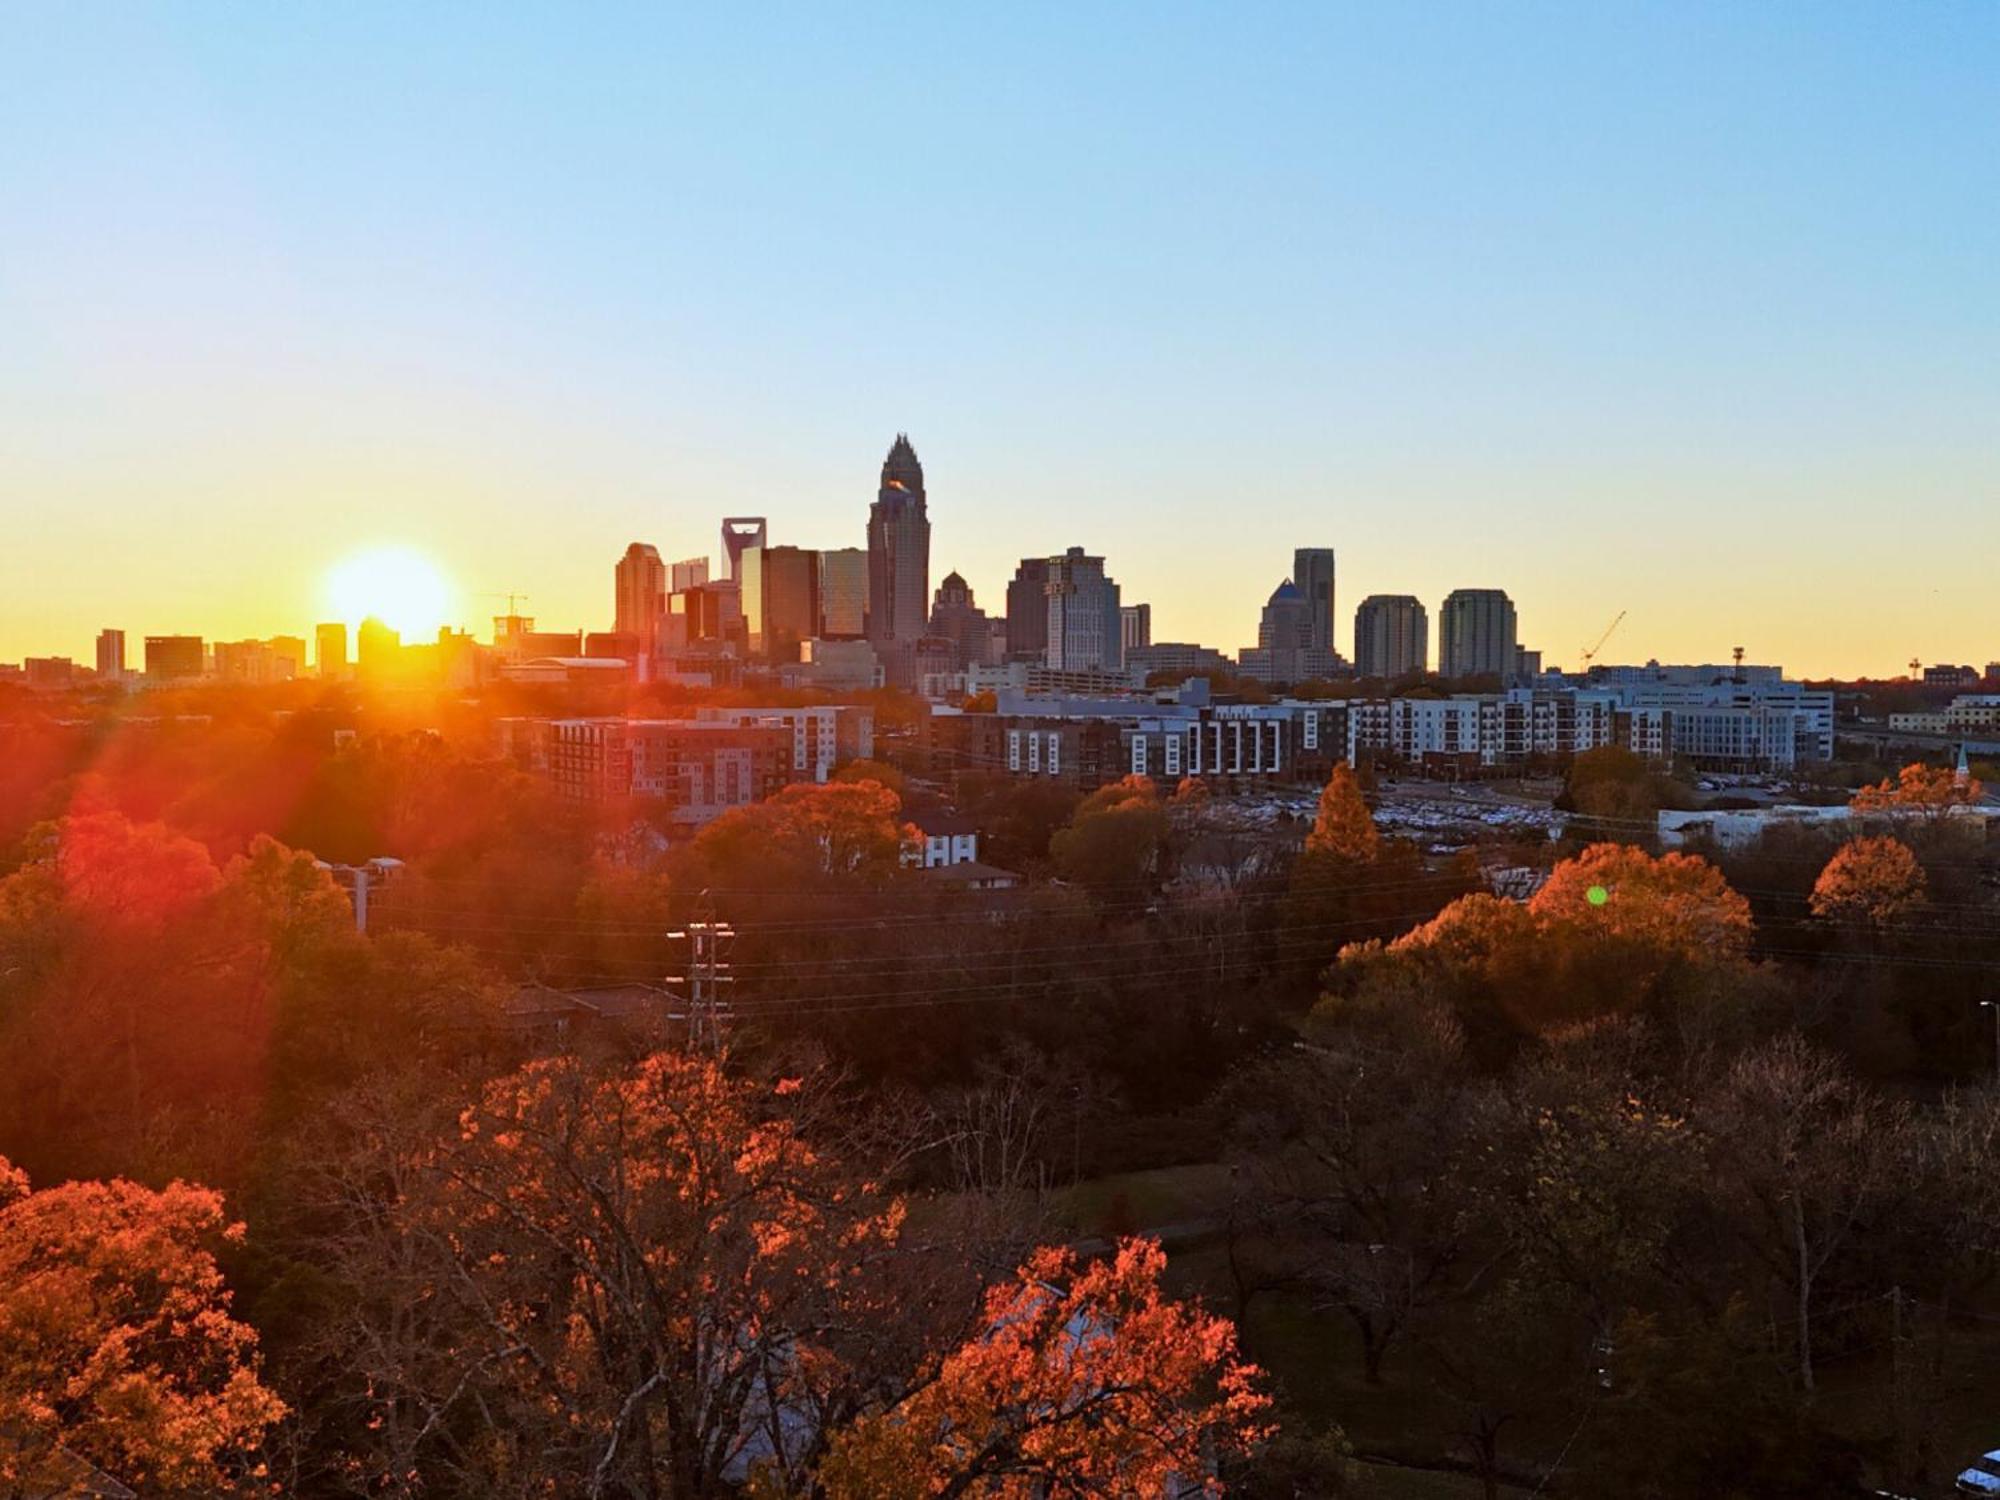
pixel 172 658
pixel 1312 573
pixel 780 599
pixel 1477 634
pixel 1392 636
pixel 1084 620
pixel 641 582
pixel 1028 611
pixel 330 649
pixel 899 563
pixel 843 593
pixel 111 655
pixel 689 573
pixel 739 532
pixel 1287 622
pixel 1135 626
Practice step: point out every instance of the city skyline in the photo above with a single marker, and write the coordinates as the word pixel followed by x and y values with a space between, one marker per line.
pixel 1357 280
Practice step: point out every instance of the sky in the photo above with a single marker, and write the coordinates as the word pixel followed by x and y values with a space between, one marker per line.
pixel 1687 310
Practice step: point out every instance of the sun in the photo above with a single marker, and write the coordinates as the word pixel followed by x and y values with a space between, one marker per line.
pixel 397 585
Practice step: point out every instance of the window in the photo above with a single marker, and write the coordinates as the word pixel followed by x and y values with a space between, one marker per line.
pixel 1013 749
pixel 1139 753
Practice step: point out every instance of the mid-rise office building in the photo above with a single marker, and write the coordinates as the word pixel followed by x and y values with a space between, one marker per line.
pixel 1135 626
pixel 1084 621
pixel 640 580
pixel 1312 575
pixel 843 594
pixel 780 593
pixel 1392 637
pixel 956 617
pixel 1477 634
pixel 1181 658
pixel 1285 652
pixel 111 655
pixel 175 658
pixel 330 649
pixel 899 563
pixel 1028 611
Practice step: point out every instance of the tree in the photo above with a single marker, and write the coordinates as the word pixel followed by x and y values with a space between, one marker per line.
pixel 1344 829
pixel 1082 1380
pixel 117 1348
pixel 849 831
pixel 1114 842
pixel 1869 882
pixel 638 1280
pixel 1927 793
pixel 1676 906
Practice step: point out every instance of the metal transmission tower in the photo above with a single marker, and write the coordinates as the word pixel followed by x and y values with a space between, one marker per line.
pixel 709 943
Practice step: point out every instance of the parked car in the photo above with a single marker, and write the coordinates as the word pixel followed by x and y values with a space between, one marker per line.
pixel 1983 1478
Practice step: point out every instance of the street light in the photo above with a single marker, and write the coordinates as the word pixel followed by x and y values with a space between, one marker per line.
pixel 1994 1006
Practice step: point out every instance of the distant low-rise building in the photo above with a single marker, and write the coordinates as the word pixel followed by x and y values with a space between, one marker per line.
pixel 175 658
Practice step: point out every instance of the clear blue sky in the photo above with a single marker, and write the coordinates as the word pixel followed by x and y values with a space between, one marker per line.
pixel 1692 310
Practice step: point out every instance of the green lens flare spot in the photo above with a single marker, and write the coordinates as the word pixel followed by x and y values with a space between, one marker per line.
pixel 1597 895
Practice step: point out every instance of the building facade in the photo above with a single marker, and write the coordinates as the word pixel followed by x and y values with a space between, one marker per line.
pixel 1085 627
pixel 1392 637
pixel 1028 611
pixel 175 658
pixel 1135 627
pixel 843 594
pixel 899 563
pixel 1477 634
pixel 1312 575
pixel 640 587
pixel 111 655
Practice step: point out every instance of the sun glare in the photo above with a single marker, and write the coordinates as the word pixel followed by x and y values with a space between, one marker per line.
pixel 397 585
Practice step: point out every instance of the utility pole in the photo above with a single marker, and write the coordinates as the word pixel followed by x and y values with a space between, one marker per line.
pixel 1994 1006
pixel 356 880
pixel 709 942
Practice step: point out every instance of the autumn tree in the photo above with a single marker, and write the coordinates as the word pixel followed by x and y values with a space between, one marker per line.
pixel 1924 793
pixel 1343 829
pixel 1083 1379
pixel 640 1280
pixel 1612 930
pixel 1869 882
pixel 118 1349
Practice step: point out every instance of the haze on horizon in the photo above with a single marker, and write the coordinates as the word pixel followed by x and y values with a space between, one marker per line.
pixel 1688 311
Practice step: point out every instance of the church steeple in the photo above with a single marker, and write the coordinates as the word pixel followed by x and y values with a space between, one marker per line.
pixel 901 470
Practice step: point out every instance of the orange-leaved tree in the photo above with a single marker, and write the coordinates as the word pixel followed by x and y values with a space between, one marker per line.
pixel 1083 1380
pixel 1677 906
pixel 117 1348
pixel 646 1279
pixel 1919 791
pixel 1869 882
pixel 1344 828
pixel 1599 938
pixel 1114 843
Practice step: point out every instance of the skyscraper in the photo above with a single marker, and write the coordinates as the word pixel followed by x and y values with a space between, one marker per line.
pixel 111 655
pixel 330 649
pixel 1392 636
pixel 1312 575
pixel 780 591
pixel 689 573
pixel 641 581
pixel 1028 611
pixel 739 532
pixel 1085 633
pixel 843 593
pixel 1477 634
pixel 899 563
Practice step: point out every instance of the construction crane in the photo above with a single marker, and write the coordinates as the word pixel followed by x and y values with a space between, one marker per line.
pixel 1590 651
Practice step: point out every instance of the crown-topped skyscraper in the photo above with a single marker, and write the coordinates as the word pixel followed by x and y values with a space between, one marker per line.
pixel 899 563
